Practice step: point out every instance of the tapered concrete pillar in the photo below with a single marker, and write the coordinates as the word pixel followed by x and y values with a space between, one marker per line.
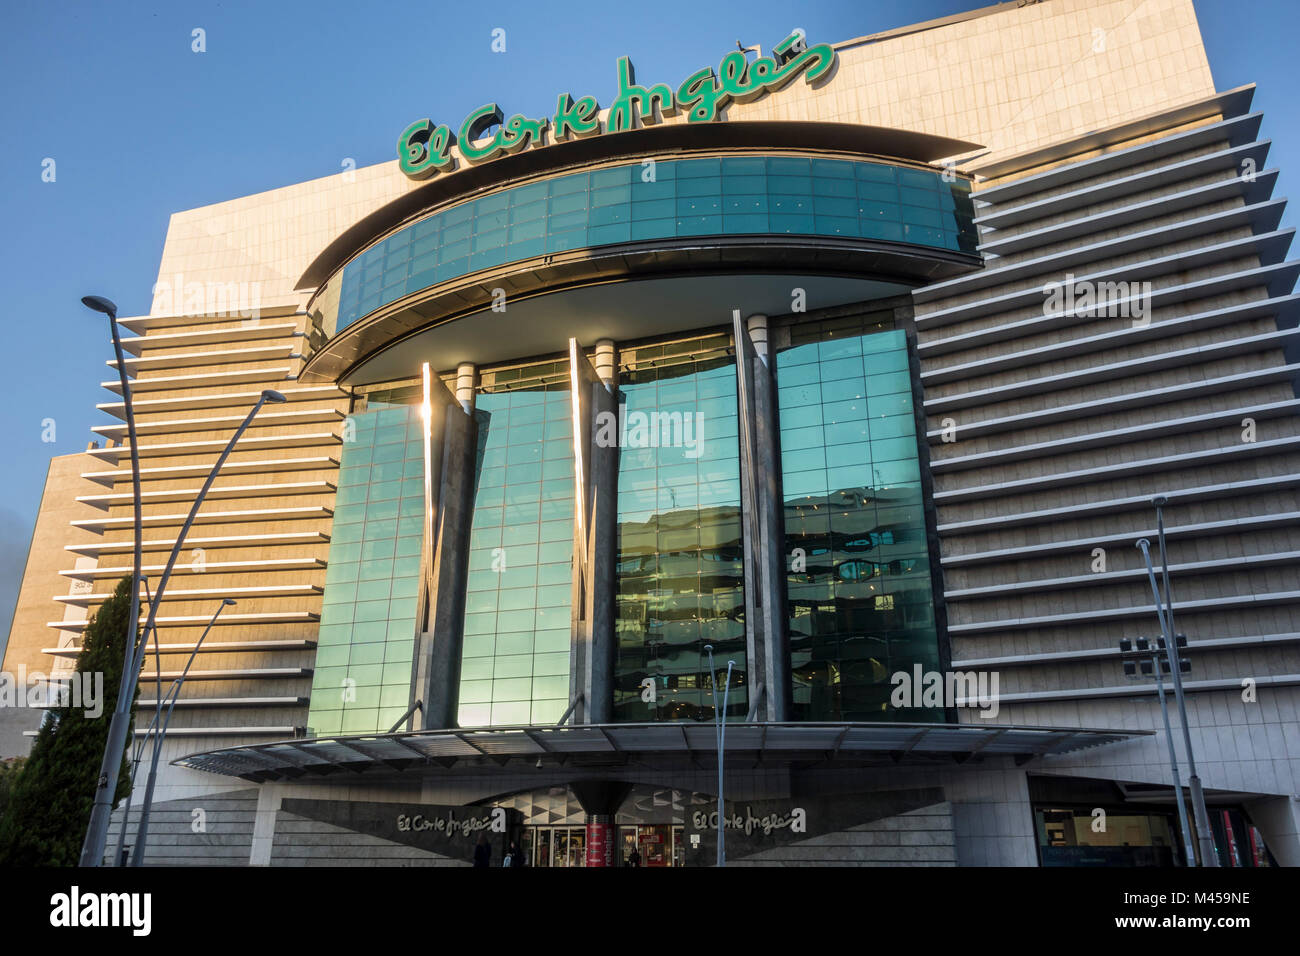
pixel 433 412
pixel 600 800
pixel 440 643
pixel 595 530
pixel 766 624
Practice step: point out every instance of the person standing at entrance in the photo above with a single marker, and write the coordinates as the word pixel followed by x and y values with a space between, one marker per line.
pixel 634 858
pixel 514 855
pixel 483 851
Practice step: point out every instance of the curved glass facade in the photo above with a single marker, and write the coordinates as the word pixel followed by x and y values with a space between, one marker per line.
pixel 362 681
pixel 679 571
pixel 859 592
pixel 662 199
pixel 859 587
pixel 515 656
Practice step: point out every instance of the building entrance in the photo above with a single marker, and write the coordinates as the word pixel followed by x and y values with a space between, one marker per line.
pixel 659 844
pixel 556 846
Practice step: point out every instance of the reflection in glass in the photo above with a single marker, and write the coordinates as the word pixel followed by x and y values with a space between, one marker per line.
pixel 732 196
pixel 858 587
pixel 679 571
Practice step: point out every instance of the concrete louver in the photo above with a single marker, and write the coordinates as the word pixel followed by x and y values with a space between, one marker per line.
pixel 262 536
pixel 1051 428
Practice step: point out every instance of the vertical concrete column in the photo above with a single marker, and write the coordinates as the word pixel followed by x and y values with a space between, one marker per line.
pixel 767 636
pixel 268 805
pixel 433 411
pixel 595 516
pixel 1278 819
pixel 440 645
pixel 600 800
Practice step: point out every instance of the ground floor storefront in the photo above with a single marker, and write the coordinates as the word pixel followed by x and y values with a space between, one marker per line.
pixel 654 845
pixel 596 796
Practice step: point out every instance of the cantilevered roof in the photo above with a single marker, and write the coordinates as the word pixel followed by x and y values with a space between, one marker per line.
pixel 476 749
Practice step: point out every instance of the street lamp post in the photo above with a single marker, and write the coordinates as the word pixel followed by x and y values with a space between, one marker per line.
pixel 97 833
pixel 160 733
pixel 720 733
pixel 1204 835
pixel 1208 855
pixel 1150 661
pixel 119 854
pixel 92 849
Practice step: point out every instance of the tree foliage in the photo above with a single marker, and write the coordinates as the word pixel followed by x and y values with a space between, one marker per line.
pixel 49 806
pixel 9 770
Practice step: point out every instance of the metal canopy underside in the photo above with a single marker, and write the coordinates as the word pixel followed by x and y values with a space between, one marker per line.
pixel 474 750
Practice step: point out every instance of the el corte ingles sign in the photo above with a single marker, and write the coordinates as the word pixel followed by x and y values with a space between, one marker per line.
pixel 425 149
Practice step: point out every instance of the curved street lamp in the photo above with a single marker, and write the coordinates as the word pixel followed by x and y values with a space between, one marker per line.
pixel 138 752
pixel 92 849
pixel 92 852
pixel 720 734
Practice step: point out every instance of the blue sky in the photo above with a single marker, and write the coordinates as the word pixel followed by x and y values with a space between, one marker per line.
pixel 140 126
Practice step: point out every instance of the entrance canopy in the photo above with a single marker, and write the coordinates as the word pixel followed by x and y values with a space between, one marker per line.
pixel 474 750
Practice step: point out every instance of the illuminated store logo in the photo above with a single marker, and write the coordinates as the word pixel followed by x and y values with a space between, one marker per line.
pixel 424 149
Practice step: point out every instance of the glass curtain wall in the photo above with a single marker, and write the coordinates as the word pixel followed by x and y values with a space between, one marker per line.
pixel 859 586
pixel 515 662
pixel 362 682
pixel 679 575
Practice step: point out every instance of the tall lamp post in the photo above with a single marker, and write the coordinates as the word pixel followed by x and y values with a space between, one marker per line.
pixel 1148 660
pixel 720 732
pixel 119 857
pixel 1204 835
pixel 160 732
pixel 92 849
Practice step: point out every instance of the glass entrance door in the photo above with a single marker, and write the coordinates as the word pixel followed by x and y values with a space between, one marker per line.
pixel 559 846
pixel 656 844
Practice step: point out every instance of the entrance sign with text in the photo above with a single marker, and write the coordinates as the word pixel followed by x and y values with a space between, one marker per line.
pixel 424 149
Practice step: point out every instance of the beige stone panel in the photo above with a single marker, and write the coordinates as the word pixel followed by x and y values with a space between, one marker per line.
pixel 41 582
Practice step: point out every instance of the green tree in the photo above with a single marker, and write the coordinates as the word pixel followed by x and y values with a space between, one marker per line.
pixel 49 808
pixel 9 770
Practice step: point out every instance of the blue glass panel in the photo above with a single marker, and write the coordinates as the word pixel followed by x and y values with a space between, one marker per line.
pixel 694 197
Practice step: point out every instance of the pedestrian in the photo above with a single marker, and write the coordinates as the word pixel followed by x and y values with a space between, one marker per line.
pixel 514 856
pixel 483 851
pixel 634 858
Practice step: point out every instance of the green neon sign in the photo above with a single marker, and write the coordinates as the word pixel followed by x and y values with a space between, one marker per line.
pixel 424 149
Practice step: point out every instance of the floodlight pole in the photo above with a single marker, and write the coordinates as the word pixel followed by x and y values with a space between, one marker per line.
pixel 1204 835
pixel 1173 765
